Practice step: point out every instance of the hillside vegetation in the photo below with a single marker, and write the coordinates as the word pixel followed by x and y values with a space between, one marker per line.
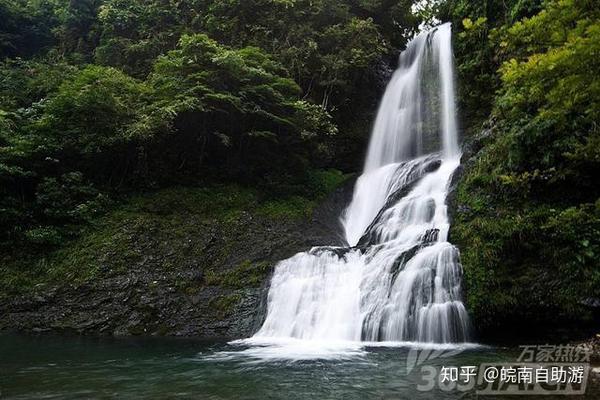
pixel 121 117
pixel 528 217
pixel 103 99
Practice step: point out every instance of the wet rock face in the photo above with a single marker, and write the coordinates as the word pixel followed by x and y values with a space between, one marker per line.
pixel 209 281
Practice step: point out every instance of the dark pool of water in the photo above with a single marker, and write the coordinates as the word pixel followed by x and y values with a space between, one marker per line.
pixel 47 367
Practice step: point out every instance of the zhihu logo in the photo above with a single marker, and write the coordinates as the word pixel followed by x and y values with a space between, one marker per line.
pixel 539 370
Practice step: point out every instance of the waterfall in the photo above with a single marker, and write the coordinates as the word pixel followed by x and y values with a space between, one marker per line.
pixel 398 279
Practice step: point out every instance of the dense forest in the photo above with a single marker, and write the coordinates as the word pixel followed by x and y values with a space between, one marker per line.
pixel 103 97
pixel 105 100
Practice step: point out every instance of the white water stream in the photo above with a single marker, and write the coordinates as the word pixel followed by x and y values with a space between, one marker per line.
pixel 399 279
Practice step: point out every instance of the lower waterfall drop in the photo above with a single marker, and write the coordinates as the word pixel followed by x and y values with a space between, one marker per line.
pixel 398 279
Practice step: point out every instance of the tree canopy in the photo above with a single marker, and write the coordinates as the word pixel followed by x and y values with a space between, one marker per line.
pixel 103 97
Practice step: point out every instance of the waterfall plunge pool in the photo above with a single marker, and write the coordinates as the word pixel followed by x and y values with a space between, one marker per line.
pixel 59 367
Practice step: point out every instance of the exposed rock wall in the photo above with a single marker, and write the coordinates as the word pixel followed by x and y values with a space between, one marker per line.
pixel 208 280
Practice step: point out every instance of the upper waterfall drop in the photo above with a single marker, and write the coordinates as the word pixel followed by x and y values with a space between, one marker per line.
pixel 417 115
pixel 418 103
pixel 399 279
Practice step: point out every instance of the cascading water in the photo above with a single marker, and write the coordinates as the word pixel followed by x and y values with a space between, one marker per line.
pixel 399 279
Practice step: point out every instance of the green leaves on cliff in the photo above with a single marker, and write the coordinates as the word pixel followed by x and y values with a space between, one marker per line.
pixel 478 50
pixel 552 86
pixel 530 221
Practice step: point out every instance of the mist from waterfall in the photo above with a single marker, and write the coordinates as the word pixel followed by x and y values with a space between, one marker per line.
pixel 398 279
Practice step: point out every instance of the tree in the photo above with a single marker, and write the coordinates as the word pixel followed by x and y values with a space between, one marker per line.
pixel 236 107
pixel 26 27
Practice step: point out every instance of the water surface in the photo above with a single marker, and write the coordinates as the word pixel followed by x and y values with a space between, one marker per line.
pixel 50 367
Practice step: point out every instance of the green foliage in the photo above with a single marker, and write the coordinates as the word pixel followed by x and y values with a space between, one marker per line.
pixel 26 27
pixel 62 138
pixel 24 83
pixel 170 226
pixel 530 216
pixel 475 25
pixel 134 33
pixel 553 89
pixel 245 275
pixel 211 107
pixel 93 112
pixel 77 27
pixel 103 99
pixel 325 44
pixel 209 86
pixel 290 199
pixel 335 51
pixel 224 305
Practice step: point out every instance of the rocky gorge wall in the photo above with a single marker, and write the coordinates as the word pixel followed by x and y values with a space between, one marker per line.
pixel 174 271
